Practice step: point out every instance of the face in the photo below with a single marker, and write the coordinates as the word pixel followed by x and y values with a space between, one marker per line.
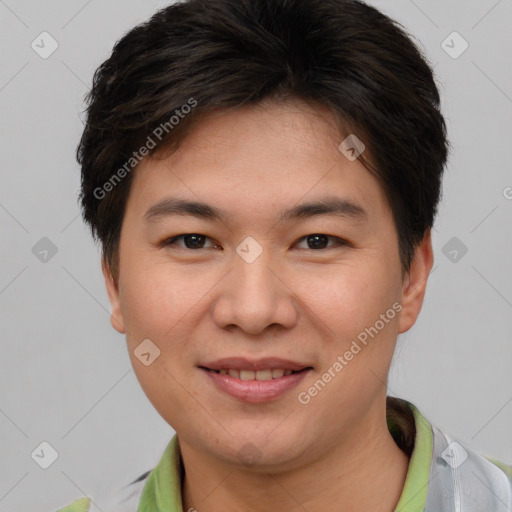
pixel 239 285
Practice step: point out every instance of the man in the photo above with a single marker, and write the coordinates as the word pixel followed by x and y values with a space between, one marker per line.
pixel 263 176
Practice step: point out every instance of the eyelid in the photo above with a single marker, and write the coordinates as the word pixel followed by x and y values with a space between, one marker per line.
pixel 170 241
pixel 339 241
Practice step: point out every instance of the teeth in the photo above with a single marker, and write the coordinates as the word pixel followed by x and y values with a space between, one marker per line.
pixel 275 373
pixel 246 375
pixel 263 375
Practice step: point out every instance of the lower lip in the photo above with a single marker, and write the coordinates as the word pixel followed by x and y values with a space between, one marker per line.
pixel 256 391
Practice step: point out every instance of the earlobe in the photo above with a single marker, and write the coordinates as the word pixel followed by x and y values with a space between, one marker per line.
pixel 415 283
pixel 116 317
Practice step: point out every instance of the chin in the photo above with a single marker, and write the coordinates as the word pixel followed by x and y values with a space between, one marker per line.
pixel 261 452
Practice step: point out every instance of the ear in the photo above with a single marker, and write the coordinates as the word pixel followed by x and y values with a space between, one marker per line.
pixel 415 283
pixel 116 317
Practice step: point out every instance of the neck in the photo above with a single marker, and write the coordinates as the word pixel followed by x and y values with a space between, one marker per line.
pixel 366 459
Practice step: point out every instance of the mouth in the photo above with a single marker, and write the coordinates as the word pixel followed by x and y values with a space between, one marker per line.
pixel 255 381
pixel 259 375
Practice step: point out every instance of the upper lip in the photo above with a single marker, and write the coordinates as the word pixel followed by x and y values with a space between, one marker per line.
pixel 241 363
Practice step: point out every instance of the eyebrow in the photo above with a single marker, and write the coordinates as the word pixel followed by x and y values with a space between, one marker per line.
pixel 330 206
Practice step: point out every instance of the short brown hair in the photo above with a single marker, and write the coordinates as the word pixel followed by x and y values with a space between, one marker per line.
pixel 343 54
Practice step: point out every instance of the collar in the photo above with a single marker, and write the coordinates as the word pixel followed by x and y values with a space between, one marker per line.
pixel 443 474
pixel 162 491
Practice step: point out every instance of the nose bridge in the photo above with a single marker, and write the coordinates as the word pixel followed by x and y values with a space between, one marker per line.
pixel 255 276
pixel 252 297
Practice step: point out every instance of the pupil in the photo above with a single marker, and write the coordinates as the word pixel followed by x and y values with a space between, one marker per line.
pixel 194 239
pixel 316 244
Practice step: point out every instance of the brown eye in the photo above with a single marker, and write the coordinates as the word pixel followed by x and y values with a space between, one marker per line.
pixel 190 240
pixel 320 241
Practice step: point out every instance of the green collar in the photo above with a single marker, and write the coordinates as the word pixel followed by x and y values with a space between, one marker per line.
pixel 162 491
pixel 414 493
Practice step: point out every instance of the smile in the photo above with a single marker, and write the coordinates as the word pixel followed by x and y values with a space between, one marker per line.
pixel 269 374
pixel 252 386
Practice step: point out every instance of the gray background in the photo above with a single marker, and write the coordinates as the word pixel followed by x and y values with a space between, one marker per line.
pixel 65 375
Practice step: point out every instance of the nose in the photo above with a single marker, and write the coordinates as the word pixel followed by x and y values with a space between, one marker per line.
pixel 254 296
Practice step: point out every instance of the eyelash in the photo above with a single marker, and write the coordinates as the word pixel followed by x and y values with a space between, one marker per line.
pixel 172 241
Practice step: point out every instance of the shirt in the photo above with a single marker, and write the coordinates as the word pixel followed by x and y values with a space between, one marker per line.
pixel 444 475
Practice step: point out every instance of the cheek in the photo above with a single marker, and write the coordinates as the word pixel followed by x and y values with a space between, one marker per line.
pixel 156 305
pixel 164 302
pixel 153 300
pixel 350 297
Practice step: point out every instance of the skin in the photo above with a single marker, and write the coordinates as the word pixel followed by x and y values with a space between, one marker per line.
pixel 294 301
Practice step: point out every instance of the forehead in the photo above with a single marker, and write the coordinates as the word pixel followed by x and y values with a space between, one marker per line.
pixel 290 127
pixel 265 156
